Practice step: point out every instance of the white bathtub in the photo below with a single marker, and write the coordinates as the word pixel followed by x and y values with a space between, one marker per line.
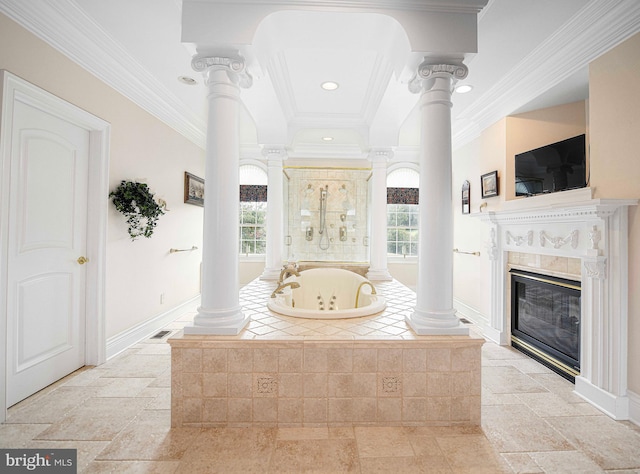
pixel 327 293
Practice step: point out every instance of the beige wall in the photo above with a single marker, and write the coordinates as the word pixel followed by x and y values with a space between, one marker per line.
pixel 471 273
pixel 406 272
pixel 142 148
pixel 615 164
pixel 250 269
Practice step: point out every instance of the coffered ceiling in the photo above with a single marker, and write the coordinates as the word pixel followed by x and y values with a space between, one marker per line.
pixel 531 54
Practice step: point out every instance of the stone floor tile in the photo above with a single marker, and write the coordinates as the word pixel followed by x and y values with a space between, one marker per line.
pixel 562 462
pixel 404 465
pixel 549 404
pixel 522 463
pixel 97 419
pixel 471 453
pixel 86 450
pixel 515 428
pixel 383 442
pixel 302 433
pixel 610 444
pixel 121 387
pixel 14 436
pixel 51 408
pixel 318 455
pixel 227 450
pixel 508 380
pixel 150 437
pixel 135 467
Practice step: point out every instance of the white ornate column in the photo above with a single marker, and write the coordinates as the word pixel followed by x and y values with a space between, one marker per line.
pixel 434 313
pixel 220 311
pixel 378 270
pixel 275 211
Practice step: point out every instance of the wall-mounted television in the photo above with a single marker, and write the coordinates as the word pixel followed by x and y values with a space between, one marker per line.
pixel 555 167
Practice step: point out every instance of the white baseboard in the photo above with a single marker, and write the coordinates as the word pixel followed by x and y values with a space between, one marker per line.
pixel 131 336
pixel 634 407
pixel 478 319
pixel 616 407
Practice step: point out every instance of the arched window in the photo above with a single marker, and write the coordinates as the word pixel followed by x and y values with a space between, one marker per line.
pixel 402 212
pixel 253 210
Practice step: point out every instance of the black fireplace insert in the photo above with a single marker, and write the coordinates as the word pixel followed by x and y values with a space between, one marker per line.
pixel 545 320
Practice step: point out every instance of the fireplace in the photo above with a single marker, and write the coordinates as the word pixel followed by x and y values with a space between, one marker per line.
pixel 545 320
pixel 571 226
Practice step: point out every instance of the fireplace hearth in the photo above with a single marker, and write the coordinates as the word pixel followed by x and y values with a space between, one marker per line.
pixel 545 320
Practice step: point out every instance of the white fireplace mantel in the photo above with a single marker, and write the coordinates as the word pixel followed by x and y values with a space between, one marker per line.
pixel 573 224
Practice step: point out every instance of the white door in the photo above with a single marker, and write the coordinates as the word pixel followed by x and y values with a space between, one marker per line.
pixel 46 275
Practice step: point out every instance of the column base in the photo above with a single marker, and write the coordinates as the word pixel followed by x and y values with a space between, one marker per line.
pixel 223 323
pixel 379 275
pixel 426 323
pixel 271 274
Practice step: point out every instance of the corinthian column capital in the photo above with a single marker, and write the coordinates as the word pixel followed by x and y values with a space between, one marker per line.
pixel 234 66
pixel 429 69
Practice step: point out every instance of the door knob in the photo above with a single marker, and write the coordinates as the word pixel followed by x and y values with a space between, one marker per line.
pixel 82 260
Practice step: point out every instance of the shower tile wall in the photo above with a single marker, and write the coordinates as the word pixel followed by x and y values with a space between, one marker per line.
pixel 347 199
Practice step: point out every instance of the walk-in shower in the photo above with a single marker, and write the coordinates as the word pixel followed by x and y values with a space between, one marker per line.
pixel 326 214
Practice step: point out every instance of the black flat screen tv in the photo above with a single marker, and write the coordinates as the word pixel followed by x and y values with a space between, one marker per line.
pixel 555 167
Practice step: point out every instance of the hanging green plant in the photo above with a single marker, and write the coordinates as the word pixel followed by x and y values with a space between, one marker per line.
pixel 135 201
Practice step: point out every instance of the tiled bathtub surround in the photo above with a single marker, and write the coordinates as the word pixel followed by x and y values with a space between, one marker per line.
pixel 290 372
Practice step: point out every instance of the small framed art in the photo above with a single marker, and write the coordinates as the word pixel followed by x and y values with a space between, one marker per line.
pixel 193 189
pixel 466 205
pixel 489 184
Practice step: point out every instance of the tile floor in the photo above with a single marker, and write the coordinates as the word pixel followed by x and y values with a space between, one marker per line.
pixel 117 416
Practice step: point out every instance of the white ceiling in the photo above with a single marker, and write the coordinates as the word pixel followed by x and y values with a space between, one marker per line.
pixel 531 54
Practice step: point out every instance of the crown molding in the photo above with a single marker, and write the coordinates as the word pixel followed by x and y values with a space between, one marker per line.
pixel 278 70
pixel 67 28
pixel 378 83
pixel 594 30
pixel 342 152
pixel 440 6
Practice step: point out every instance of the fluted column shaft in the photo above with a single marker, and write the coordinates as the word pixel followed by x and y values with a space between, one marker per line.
pixel 434 313
pixel 378 237
pixel 275 213
pixel 220 311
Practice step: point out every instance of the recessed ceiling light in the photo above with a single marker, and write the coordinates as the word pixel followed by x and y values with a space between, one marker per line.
pixel 329 85
pixel 187 80
pixel 463 89
pixel 327 139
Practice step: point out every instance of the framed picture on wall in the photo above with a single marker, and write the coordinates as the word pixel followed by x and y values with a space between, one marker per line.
pixel 193 189
pixel 466 206
pixel 489 184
